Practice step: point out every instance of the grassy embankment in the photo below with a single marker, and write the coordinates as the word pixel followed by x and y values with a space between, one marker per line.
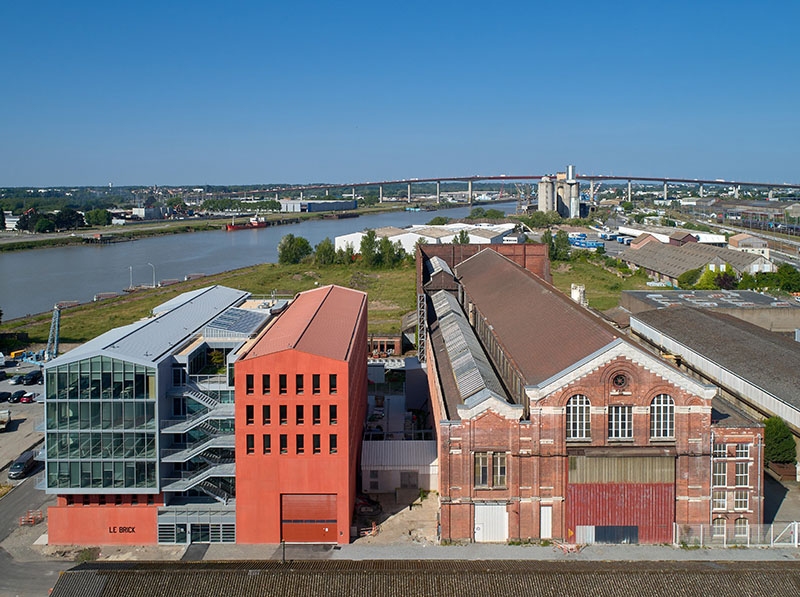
pixel 603 286
pixel 391 294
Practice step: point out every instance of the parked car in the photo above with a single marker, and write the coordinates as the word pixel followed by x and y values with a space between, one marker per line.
pixel 366 505
pixel 4 396
pixel 15 397
pixel 22 465
pixel 27 398
pixel 16 380
pixel 32 377
pixel 3 374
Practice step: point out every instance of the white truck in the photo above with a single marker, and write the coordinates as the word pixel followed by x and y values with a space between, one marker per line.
pixel 5 419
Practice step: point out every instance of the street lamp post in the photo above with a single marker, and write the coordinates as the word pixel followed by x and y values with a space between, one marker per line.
pixel 130 271
pixel 154 274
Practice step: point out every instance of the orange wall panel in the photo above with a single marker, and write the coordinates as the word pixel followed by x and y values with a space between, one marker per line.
pixel 102 525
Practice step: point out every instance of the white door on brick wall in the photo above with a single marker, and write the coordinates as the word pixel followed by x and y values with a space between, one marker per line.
pixel 546 522
pixel 491 523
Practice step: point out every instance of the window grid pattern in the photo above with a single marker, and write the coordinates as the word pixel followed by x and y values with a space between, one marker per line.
pixel 718 500
pixel 719 477
pixel 620 422
pixel 742 473
pixel 662 417
pixel 578 418
pixel 741 500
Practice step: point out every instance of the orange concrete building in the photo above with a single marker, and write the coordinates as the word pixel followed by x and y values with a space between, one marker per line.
pixel 301 396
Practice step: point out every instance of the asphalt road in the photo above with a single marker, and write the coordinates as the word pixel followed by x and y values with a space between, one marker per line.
pixel 19 578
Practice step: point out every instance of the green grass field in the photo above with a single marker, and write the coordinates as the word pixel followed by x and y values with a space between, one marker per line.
pixel 391 294
pixel 603 287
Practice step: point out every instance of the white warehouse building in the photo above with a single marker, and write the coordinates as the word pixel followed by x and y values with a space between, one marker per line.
pixel 479 234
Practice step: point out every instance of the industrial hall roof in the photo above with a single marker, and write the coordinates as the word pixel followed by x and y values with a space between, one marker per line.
pixel 429 578
pixel 148 340
pixel 768 360
pixel 540 330
pixel 672 261
pixel 322 321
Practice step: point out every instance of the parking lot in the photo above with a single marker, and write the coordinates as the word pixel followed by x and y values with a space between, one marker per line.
pixel 20 433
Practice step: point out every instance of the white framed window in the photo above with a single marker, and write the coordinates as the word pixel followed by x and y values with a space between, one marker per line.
pixel 742 473
pixel 743 451
pixel 579 417
pixel 718 527
pixel 741 500
pixel 620 422
pixel 481 469
pixel 740 527
pixel 718 500
pixel 662 417
pixel 719 477
pixel 720 451
pixel 498 470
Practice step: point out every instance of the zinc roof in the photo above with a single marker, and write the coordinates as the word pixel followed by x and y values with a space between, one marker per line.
pixel 673 261
pixel 390 455
pixel 322 321
pixel 765 359
pixel 148 340
pixel 541 331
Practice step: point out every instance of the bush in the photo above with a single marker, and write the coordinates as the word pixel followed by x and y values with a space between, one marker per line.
pixel 779 444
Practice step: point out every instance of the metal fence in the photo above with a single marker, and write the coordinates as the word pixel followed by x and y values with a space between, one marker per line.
pixel 782 534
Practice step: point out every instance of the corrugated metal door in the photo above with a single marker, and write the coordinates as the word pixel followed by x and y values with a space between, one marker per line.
pixel 491 523
pixel 308 518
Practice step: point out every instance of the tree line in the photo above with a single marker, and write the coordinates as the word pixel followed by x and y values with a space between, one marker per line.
pixel 373 252
pixel 65 219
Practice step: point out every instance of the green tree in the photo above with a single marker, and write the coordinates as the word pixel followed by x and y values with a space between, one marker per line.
pixel 689 278
pixel 726 280
pixel 293 249
pixel 707 281
pixel 345 256
pixel 477 213
pixel 44 225
pixel 560 245
pixel 779 444
pixel 494 214
pixel 747 282
pixel 547 239
pixel 325 252
pixel 462 238
pixel 98 217
pixel 389 253
pixel 68 219
pixel 788 278
pixel 2 218
pixel 439 221
pixel 369 249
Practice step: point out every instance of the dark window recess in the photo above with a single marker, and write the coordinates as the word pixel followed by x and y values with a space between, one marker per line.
pixel 284 444
pixel 300 443
pixel 251 443
pixel 265 414
pixel 266 441
pixel 315 412
pixel 333 444
pixel 283 415
pixel 298 382
pixel 249 416
pixel 332 411
pixel 265 383
pixel 332 383
pixel 298 411
pixel 316 443
pixel 282 383
pixel 315 383
pixel 249 383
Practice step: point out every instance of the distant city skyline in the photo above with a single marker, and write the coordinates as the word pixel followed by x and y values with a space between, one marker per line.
pixel 202 93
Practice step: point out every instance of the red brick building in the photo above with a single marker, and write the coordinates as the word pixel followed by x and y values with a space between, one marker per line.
pixel 300 407
pixel 554 425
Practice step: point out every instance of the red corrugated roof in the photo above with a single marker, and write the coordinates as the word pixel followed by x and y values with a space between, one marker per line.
pixel 542 331
pixel 322 321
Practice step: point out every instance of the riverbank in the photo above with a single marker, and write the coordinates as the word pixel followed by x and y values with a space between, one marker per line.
pixel 21 241
pixel 391 294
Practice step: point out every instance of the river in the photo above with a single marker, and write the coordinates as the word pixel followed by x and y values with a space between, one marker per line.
pixel 33 281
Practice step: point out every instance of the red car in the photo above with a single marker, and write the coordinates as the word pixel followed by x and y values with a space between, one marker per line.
pixel 28 398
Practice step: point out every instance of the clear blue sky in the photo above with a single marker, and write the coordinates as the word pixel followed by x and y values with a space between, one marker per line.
pixel 190 93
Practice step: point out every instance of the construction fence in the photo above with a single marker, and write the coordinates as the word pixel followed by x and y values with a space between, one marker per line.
pixel 784 534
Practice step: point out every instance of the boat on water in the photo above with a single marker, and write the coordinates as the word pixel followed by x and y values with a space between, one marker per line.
pixel 254 222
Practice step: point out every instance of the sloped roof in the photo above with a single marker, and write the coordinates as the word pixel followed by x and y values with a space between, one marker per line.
pixel 148 340
pixel 429 578
pixel 673 261
pixel 765 359
pixel 541 331
pixel 322 321
pixel 473 374
pixel 391 455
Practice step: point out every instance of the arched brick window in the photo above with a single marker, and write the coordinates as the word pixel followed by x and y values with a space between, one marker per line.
pixel 662 417
pixel 579 417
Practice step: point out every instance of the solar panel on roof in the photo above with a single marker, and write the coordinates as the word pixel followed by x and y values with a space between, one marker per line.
pixel 239 321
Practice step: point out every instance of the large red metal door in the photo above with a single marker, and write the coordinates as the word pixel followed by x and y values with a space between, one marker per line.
pixel 307 518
